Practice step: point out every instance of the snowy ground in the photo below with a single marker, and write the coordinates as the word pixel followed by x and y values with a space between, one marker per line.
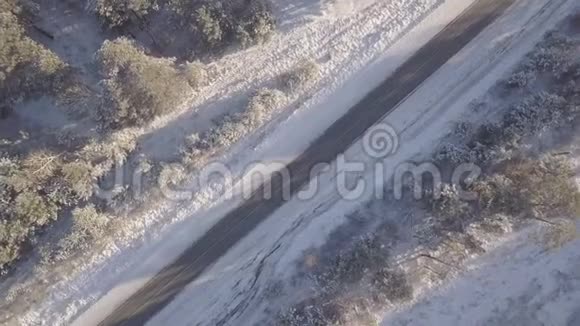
pixel 516 284
pixel 358 61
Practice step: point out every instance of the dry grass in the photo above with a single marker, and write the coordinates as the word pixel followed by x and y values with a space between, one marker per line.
pixel 301 76
pixel 232 128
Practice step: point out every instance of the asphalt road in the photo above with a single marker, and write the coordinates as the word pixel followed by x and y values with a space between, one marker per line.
pixel 164 286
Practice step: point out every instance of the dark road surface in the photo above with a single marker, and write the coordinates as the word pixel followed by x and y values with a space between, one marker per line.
pixel 164 286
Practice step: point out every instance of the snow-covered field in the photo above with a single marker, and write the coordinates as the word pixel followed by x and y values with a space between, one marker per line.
pixel 359 52
pixel 515 284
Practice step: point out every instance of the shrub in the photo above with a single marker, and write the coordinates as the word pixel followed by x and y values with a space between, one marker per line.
pixel 458 151
pixel 521 79
pixel 191 150
pixel 219 23
pixel 393 285
pixel 450 208
pixel 318 311
pixel 9 6
pixel 559 234
pixel 463 130
pixel 491 135
pixel 322 310
pixel 5 198
pixel 9 252
pixel 455 153
pixel 26 68
pixel 494 194
pixel 351 265
pixel 336 302
pixel 256 25
pixel 32 192
pixel 20 178
pixel 34 189
pixel 138 88
pixel 544 188
pixel 105 152
pixel 261 106
pixel 194 73
pixel 88 224
pixel 78 177
pixel 235 126
pixel 13 232
pixel 208 19
pixel 34 210
pixel 58 191
pixel 497 224
pixel 171 176
pixel 8 167
pixel 552 55
pixel 119 12
pixel 498 141
pixel 41 165
pixel 300 76
pixel 536 114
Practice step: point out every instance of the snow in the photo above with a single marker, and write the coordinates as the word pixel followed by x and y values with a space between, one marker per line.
pixel 234 290
pixel 362 54
pixel 346 45
pixel 344 8
pixel 76 36
pixel 516 284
